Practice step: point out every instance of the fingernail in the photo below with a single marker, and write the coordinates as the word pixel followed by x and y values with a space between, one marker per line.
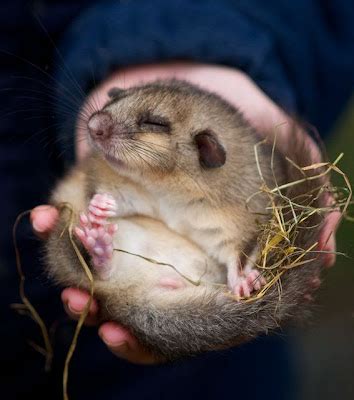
pixel 78 305
pixel 119 345
pixel 113 337
pixel 37 228
pixel 73 309
pixel 120 348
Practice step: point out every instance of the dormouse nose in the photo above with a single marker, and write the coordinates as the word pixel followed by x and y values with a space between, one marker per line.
pixel 100 125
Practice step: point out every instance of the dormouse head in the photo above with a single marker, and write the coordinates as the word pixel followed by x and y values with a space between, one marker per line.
pixel 163 127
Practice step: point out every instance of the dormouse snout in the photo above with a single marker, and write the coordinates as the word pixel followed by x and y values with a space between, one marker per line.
pixel 100 126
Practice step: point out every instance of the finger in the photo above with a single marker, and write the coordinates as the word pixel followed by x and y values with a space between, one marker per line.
pixel 327 240
pixel 124 345
pixel 43 219
pixel 330 258
pixel 75 301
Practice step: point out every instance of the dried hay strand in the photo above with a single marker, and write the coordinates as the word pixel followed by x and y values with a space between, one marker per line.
pixel 277 242
pixel 26 308
pixel 86 310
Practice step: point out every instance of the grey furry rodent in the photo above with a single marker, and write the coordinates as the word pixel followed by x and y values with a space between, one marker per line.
pixel 180 164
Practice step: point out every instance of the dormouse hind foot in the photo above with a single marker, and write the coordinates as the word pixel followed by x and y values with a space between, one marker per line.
pixel 96 232
pixel 250 281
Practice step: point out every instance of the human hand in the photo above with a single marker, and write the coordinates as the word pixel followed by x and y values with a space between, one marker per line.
pixel 260 111
pixel 117 338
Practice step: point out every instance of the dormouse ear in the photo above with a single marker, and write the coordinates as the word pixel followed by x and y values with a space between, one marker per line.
pixel 115 92
pixel 211 152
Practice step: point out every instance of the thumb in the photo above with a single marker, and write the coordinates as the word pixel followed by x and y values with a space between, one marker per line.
pixel 43 219
pixel 124 345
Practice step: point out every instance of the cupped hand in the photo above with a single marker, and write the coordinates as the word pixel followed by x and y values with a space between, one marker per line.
pixel 117 338
pixel 238 89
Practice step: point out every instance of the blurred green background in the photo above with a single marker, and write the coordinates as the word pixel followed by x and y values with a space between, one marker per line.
pixel 325 350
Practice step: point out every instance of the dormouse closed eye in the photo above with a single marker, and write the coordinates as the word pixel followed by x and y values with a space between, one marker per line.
pixel 154 123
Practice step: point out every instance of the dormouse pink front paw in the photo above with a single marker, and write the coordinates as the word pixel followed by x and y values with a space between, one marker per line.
pixel 96 232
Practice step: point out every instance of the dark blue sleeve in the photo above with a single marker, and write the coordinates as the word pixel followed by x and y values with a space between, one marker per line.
pixel 300 53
